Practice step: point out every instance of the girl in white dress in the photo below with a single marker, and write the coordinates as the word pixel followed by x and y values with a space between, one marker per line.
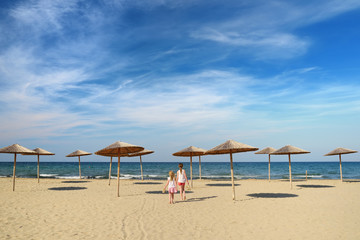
pixel 172 188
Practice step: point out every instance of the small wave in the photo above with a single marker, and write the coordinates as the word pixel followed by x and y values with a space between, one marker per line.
pixel 100 177
pixel 310 176
pixel 68 177
pixel 48 175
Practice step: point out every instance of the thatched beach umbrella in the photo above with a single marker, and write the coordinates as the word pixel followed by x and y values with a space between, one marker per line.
pixel 267 150
pixel 78 153
pixel 288 150
pixel 190 152
pixel 120 148
pixel 231 147
pixel 15 149
pixel 38 152
pixel 143 152
pixel 111 157
pixel 339 151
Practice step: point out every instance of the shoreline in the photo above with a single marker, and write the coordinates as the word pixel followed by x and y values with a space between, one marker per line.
pixel 89 208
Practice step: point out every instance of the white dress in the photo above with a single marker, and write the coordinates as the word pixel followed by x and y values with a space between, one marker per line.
pixel 181 176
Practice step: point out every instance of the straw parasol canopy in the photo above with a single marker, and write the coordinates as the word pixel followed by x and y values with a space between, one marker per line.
pixel 141 153
pixel 288 150
pixel 15 149
pixel 119 148
pixel 339 151
pixel 231 147
pixel 78 153
pixel 38 152
pixel 267 150
pixel 190 152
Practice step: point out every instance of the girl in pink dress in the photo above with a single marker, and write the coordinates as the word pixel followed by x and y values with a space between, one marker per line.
pixel 172 187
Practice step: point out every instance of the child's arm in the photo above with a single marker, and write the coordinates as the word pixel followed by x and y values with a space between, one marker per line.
pixel 186 177
pixel 167 183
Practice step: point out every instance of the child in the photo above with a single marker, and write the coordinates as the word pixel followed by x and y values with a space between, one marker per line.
pixel 172 188
pixel 181 178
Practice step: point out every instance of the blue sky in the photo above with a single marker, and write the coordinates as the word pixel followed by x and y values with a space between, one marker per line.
pixel 169 74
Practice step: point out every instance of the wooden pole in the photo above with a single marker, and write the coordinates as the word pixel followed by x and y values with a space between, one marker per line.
pixel 341 178
pixel 200 167
pixel 110 170
pixel 142 177
pixel 38 168
pixel 290 171
pixel 14 172
pixel 118 174
pixel 269 167
pixel 232 175
pixel 191 170
pixel 79 168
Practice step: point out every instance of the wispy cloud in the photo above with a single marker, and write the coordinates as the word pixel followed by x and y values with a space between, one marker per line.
pixel 268 28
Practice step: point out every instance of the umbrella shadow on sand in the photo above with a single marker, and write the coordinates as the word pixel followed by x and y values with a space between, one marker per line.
pixel 221 184
pixel 272 195
pixel 199 199
pixel 66 188
pixel 160 192
pixel 75 181
pixel 352 181
pixel 293 180
pixel 147 183
pixel 315 186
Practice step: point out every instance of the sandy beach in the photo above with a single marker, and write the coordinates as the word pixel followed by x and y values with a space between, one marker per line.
pixel 89 209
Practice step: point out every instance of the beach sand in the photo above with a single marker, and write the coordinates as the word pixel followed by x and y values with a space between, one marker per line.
pixel 89 209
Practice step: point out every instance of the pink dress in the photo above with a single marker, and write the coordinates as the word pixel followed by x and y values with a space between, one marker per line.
pixel 171 186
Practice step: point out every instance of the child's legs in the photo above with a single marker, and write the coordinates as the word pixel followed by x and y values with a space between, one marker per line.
pixel 182 191
pixel 172 197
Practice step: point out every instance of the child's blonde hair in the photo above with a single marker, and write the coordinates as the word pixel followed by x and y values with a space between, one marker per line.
pixel 172 175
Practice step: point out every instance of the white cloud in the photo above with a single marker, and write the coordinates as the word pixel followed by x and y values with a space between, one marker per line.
pixel 268 27
pixel 44 14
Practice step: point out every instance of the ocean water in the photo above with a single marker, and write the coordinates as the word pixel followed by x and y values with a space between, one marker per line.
pixel 159 170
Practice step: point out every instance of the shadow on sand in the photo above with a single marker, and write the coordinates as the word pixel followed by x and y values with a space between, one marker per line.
pixel 147 183
pixel 75 181
pixel 272 195
pixel 314 186
pixel 199 199
pixel 294 180
pixel 66 188
pixel 352 181
pixel 221 184
pixel 160 192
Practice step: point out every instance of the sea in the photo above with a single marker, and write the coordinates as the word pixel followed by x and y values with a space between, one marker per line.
pixel 159 170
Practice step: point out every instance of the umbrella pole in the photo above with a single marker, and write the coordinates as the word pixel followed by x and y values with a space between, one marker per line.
pixel 110 170
pixel 142 177
pixel 341 178
pixel 290 172
pixel 269 167
pixel 38 169
pixel 79 168
pixel 191 170
pixel 232 175
pixel 14 172
pixel 118 174
pixel 200 167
